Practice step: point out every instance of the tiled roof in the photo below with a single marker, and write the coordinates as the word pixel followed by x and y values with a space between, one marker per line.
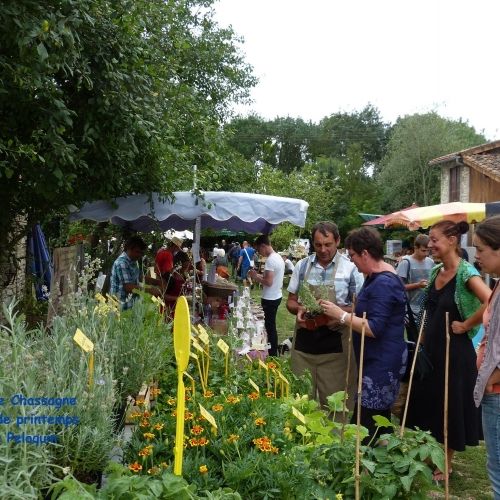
pixel 488 164
pixel 489 147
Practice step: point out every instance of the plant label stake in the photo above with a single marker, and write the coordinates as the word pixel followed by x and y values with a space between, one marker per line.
pixel 348 369
pixel 225 349
pixel 209 417
pixel 358 417
pixel 254 385
pixel 192 383
pixel 266 368
pixel 195 356
pixel 182 329
pixel 86 345
pixel 445 430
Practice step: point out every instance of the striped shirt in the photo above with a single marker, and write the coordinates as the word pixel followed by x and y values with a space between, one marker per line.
pixel 124 271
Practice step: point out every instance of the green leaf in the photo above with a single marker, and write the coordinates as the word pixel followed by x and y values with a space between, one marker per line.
pixel 382 421
pixel 42 51
pixel 406 482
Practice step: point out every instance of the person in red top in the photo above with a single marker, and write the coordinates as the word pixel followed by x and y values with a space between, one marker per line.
pixel 164 260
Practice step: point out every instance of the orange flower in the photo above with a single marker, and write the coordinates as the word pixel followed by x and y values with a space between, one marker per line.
pixel 144 423
pixel 208 394
pixel 145 452
pixel 149 435
pixel 259 421
pixel 187 397
pixel 203 469
pixel 254 395
pixel 188 415
pixel 135 467
pixel 197 430
pixel 146 414
pixel 270 394
pixel 140 402
pixel 203 441
pixel 272 366
pixel 217 407
pixel 174 413
pixel 155 392
pixel 158 427
pixel 232 399
pixel 193 442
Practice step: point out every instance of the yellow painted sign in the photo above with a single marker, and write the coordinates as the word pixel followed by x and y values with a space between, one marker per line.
pixel 210 418
pixel 223 346
pixel 254 385
pixel 83 341
pixel 299 415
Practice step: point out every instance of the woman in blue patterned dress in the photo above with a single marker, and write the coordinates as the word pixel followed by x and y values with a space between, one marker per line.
pixel 383 300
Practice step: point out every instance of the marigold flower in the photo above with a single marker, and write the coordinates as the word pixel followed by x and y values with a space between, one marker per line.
pixel 193 442
pixel 197 430
pixel 149 436
pixel 272 366
pixel 146 414
pixel 259 421
pixel 153 471
pixel 158 427
pixel 140 402
pixel 201 418
pixel 217 407
pixel 188 415
pixel 203 441
pixel 233 438
pixel 187 397
pixel 254 395
pixel 208 394
pixel 232 399
pixel 270 394
pixel 155 392
pixel 274 449
pixel 171 401
pixel 203 469
pixel 145 452
pixel 135 467
pixel 174 413
pixel 144 423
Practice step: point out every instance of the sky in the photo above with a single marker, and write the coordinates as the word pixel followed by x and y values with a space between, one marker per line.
pixel 318 57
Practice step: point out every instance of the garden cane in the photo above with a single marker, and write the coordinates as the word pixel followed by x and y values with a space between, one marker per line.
pixel 410 381
pixel 358 417
pixel 348 369
pixel 445 430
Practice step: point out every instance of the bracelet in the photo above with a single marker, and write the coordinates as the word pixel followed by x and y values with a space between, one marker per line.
pixel 343 317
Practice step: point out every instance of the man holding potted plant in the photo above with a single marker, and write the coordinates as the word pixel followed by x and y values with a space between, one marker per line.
pixel 321 345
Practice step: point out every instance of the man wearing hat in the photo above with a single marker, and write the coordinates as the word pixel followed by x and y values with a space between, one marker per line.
pixel 164 260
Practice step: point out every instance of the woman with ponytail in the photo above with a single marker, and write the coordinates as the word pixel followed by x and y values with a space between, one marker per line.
pixel 455 287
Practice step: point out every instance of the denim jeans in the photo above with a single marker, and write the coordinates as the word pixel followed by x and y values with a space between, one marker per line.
pixel 491 428
pixel 270 308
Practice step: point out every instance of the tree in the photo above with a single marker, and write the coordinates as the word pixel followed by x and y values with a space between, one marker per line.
pixel 406 176
pixel 102 98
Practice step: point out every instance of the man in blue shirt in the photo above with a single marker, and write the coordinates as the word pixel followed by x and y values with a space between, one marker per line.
pixel 126 275
pixel 245 262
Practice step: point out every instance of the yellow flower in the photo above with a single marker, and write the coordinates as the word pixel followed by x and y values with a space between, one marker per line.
pixel 253 396
pixel 233 438
pixel 171 401
pixel 208 394
pixel 288 432
pixel 217 407
pixel 137 414
pixel 155 392
pixel 203 441
pixel 146 414
pixel 270 394
pixel 232 399
pixel 259 421
pixel 149 435
pixel 158 427
pixel 140 402
pixel 135 467
pixel 144 423
pixel 188 415
pixel 203 469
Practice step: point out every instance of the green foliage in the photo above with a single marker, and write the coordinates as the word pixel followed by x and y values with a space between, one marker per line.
pixel 104 98
pixel 283 235
pixel 309 298
pixel 406 176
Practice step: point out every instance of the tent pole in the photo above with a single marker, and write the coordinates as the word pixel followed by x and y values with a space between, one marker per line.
pixel 197 234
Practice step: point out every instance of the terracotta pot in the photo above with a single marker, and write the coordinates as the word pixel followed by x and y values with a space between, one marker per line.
pixel 317 321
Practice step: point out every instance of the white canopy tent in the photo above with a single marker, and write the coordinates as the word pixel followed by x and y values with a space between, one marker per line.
pixel 252 213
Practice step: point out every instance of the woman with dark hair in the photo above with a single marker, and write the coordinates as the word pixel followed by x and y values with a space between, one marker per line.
pixel 455 287
pixel 487 390
pixel 383 300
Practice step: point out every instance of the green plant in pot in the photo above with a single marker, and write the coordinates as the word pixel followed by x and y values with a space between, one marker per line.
pixel 309 297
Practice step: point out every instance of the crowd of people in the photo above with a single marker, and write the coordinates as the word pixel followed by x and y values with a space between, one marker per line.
pixel 360 292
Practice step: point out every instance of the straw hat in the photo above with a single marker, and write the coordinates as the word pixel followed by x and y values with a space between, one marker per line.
pixel 177 242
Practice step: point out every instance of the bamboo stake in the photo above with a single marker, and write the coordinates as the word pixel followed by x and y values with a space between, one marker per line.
pixel 410 382
pixel 358 417
pixel 349 349
pixel 445 430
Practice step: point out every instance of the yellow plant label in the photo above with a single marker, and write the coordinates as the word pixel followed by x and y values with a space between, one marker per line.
pixel 201 329
pixel 282 377
pixel 203 336
pixel 210 418
pixel 261 363
pixel 154 299
pixel 223 346
pixel 249 358
pixel 197 346
pixel 299 415
pixel 254 385
pixel 189 376
pixel 193 355
pixel 100 298
pixel 83 341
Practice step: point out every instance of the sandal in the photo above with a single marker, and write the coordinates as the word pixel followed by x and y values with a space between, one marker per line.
pixel 439 476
